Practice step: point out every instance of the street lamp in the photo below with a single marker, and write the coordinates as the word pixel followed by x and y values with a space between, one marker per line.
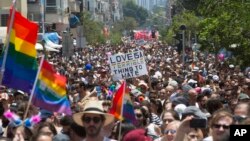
pixel 183 28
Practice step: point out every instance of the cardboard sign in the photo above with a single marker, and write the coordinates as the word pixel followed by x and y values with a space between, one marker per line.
pixel 127 65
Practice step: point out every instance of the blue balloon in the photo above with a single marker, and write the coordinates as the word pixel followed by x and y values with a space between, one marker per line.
pixel 27 123
pixel 88 67
pixel 18 122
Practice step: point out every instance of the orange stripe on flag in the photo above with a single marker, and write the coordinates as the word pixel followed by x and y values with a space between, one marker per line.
pixel 54 81
pixel 22 45
pixel 25 28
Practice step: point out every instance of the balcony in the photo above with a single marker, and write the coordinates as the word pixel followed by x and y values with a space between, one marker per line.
pixel 51 9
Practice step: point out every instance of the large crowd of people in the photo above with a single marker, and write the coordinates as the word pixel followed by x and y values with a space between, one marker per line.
pixel 191 99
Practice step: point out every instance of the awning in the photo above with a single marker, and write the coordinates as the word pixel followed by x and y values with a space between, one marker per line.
pixel 48 48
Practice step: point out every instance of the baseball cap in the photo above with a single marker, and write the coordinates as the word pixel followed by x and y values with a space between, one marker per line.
pixel 243 96
pixel 193 110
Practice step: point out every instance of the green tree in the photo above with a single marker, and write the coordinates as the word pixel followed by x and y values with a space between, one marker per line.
pixel 157 17
pixel 226 23
pixel 92 29
pixel 219 24
pixel 119 27
pixel 129 23
pixel 190 4
pixel 190 20
pixel 130 9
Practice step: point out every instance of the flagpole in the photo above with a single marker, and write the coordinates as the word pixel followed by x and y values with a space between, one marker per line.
pixel 7 41
pixel 33 88
pixel 42 13
pixel 120 127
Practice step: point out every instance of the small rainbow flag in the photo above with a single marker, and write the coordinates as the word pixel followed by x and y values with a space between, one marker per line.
pixel 20 65
pixel 50 91
pixel 122 107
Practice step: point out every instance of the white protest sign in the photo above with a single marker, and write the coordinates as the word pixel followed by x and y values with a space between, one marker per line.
pixel 127 65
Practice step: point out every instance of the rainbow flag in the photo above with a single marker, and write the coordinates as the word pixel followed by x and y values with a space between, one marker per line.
pixel 21 65
pixel 122 107
pixel 50 90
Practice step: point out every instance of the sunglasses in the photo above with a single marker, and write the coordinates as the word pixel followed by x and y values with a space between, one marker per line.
pixel 138 115
pixel 170 131
pixel 223 126
pixel 89 119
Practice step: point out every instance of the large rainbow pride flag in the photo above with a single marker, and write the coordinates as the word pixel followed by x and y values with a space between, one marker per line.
pixel 50 90
pixel 21 65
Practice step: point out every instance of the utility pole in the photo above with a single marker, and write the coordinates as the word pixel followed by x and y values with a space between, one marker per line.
pixel 183 28
pixel 67 43
pixel 42 14
pixel 169 12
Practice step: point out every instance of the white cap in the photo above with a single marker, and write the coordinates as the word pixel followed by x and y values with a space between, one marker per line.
pixel 215 77
pixel 231 66
pixel 180 109
pixel 195 69
pixel 192 81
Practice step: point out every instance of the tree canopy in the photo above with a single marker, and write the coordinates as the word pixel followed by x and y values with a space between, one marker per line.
pixel 130 9
pixel 92 30
pixel 226 25
pixel 218 24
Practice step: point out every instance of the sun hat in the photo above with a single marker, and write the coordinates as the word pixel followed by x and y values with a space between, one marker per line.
pixel 93 107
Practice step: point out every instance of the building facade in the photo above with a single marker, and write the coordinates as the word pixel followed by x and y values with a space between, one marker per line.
pixel 150 4
pixel 105 11
pixel 5 7
pixel 58 11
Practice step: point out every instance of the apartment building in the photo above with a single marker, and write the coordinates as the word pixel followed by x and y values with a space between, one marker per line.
pixel 150 4
pixel 5 7
pixel 4 14
pixel 56 13
pixel 105 11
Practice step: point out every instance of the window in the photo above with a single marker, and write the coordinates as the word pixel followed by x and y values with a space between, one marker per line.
pixel 4 19
pixel 51 6
pixel 32 1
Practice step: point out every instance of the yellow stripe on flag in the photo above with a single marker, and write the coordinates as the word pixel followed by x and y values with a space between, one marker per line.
pixel 22 46
pixel 53 86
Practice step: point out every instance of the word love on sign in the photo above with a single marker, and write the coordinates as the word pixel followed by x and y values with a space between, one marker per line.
pixel 128 65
